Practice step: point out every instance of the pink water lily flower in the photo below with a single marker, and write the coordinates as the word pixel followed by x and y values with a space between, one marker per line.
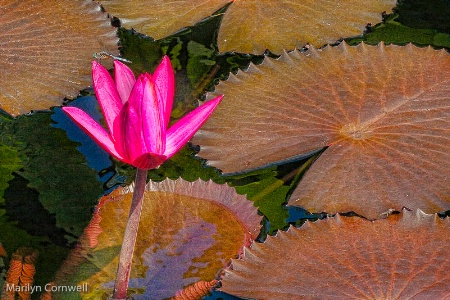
pixel 137 113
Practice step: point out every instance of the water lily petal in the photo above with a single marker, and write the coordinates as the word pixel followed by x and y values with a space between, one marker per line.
pixel 93 129
pixel 119 131
pixel 107 95
pixel 164 80
pixel 128 132
pixel 124 78
pixel 182 131
pixel 152 118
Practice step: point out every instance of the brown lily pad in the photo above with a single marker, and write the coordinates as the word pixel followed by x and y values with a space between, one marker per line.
pixel 159 19
pixel 383 111
pixel 46 49
pixel 254 26
pixel 188 232
pixel 403 257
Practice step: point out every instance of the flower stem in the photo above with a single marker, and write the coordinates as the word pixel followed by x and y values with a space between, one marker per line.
pixel 129 238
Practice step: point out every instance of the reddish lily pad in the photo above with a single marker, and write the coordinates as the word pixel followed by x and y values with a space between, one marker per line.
pixel 188 232
pixel 46 51
pixel 383 111
pixel 254 26
pixel 159 19
pixel 402 257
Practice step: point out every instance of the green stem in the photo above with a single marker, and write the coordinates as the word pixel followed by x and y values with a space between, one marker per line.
pixel 129 238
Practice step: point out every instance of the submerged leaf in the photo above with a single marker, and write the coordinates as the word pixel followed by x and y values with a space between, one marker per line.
pixel 392 31
pixel 188 232
pixel 383 112
pixel 254 26
pixel 54 171
pixel 46 50
pixel 9 162
pixel 425 14
pixel 12 237
pixel 402 257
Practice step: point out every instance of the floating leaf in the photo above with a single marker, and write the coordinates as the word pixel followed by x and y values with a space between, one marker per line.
pixel 159 19
pixel 46 50
pixel 188 232
pixel 383 112
pixel 254 26
pixel 402 257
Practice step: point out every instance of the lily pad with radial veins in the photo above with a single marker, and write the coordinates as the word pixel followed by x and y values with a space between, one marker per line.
pixel 383 111
pixel 46 49
pixel 254 26
pixel 188 232
pixel 159 19
pixel 405 256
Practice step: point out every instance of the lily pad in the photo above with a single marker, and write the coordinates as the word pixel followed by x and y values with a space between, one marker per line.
pixel 46 51
pixel 381 110
pixel 159 19
pixel 405 256
pixel 188 232
pixel 254 26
